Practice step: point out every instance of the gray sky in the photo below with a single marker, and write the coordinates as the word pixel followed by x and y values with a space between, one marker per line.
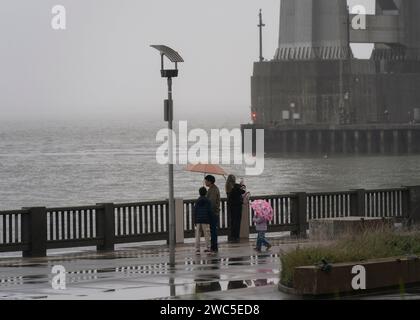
pixel 102 63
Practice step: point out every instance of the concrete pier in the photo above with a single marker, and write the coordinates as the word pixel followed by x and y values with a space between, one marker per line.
pixel 356 142
pixel 284 141
pixel 382 142
pixel 369 142
pixel 345 150
pixel 307 141
pixel 332 142
pixel 356 139
pixel 295 142
pixel 320 142
pixel 409 141
pixel 396 143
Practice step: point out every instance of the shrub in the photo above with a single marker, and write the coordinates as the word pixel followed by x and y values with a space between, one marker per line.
pixel 372 244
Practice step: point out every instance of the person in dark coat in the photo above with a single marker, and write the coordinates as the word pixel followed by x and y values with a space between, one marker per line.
pixel 234 202
pixel 202 215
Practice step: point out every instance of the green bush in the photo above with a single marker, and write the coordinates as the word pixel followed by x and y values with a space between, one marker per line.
pixel 369 245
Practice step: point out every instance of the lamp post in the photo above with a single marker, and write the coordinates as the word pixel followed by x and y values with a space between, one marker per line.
pixel 174 57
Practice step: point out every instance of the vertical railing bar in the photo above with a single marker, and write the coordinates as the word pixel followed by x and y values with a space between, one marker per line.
pixel 74 216
pixel 400 200
pixel 156 209
pixel 85 227
pixel 128 220
pixel 51 216
pixel 56 225
pixel 140 231
pixel 146 219
pixel 68 225
pixel 64 225
pixel 10 228
pixel 134 212
pixel 92 222
pixel 161 213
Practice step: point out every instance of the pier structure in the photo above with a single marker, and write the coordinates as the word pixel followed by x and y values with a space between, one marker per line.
pixel 335 140
pixel 315 87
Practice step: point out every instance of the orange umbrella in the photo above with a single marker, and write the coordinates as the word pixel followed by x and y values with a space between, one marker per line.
pixel 207 169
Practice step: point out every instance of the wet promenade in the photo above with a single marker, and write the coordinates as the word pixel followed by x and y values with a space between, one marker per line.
pixel 142 272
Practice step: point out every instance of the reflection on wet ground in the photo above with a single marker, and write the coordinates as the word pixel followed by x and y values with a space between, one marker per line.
pixel 140 273
pixel 237 272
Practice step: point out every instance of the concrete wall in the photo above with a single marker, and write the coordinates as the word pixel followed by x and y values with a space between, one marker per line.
pixel 312 29
pixel 313 87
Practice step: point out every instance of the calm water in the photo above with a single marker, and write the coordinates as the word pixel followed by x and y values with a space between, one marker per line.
pixel 87 161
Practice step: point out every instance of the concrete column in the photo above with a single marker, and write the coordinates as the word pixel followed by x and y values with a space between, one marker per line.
pixel 295 141
pixel 382 141
pixel 298 208
pixel 284 141
pixel 332 146
pixel 307 141
pixel 105 226
pixel 356 142
pixel 34 232
pixel 345 142
pixel 244 231
pixel 410 141
pixel 369 141
pixel 319 144
pixel 395 143
pixel 357 203
pixel 179 220
pixel 413 206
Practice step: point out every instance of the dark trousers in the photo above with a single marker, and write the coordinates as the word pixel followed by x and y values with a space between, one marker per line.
pixel 213 231
pixel 235 222
pixel 261 240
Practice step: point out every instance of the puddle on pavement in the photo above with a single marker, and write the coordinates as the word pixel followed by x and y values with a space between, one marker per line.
pixel 208 276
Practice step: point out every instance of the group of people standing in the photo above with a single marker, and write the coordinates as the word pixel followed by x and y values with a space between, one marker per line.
pixel 207 212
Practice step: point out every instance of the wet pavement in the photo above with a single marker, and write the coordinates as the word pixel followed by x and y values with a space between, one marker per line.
pixel 237 272
pixel 143 272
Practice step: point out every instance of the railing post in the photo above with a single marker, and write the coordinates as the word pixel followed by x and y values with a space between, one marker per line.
pixel 413 204
pixel 105 226
pixel 244 233
pixel 34 232
pixel 179 220
pixel 406 207
pixel 357 203
pixel 298 214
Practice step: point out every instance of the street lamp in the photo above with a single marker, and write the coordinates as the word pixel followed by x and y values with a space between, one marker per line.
pixel 174 57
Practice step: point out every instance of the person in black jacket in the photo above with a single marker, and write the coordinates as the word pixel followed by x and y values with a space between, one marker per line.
pixel 234 202
pixel 202 215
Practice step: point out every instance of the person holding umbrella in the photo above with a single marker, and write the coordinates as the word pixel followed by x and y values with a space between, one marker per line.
pixel 263 214
pixel 213 194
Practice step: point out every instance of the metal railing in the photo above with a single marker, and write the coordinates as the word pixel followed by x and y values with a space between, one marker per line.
pixel 35 230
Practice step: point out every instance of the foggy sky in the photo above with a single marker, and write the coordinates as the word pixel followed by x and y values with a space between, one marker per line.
pixel 103 63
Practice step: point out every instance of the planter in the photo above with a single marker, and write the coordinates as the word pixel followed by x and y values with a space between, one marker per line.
pixel 346 278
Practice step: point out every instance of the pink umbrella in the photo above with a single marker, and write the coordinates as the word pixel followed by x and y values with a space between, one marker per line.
pixel 262 208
